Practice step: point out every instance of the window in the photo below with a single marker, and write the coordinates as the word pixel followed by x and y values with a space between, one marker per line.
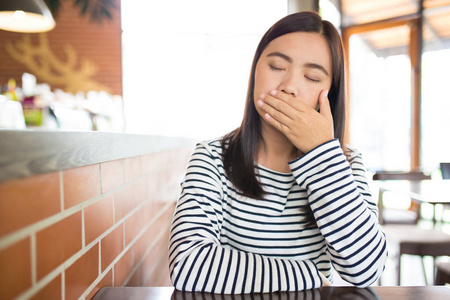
pixel 186 63
pixel 435 109
pixel 390 33
pixel 380 93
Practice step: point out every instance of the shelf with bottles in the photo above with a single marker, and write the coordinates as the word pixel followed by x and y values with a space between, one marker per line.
pixel 44 108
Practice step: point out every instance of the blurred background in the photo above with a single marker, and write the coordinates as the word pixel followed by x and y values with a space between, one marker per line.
pixel 180 68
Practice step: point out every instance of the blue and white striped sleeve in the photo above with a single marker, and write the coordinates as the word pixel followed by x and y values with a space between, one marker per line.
pixel 198 261
pixel 344 211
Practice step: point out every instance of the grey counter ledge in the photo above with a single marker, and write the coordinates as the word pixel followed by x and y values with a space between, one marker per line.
pixel 25 153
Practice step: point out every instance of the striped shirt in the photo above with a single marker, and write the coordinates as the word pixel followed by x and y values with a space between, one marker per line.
pixel 223 242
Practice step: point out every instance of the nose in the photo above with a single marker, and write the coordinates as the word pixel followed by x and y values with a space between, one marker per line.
pixel 290 84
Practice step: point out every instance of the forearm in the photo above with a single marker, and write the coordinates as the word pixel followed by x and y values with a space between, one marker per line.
pixel 356 243
pixel 198 261
pixel 212 268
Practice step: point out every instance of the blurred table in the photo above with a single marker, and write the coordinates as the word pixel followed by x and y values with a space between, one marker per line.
pixel 324 293
pixel 422 191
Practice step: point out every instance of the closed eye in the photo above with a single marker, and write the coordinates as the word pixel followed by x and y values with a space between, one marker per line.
pixel 312 80
pixel 273 68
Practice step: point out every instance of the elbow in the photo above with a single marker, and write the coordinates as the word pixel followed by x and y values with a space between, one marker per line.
pixel 364 280
pixel 373 272
pixel 370 274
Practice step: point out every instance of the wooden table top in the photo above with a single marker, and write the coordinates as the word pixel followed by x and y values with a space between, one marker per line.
pixel 324 293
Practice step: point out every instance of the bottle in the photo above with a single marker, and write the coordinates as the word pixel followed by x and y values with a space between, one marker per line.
pixel 11 90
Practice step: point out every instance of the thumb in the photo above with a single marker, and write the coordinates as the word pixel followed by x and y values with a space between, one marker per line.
pixel 324 105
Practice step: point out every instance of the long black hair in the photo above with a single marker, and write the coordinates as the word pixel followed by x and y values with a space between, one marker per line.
pixel 240 146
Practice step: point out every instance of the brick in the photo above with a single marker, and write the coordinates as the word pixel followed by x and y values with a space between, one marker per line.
pixel 156 265
pixel 80 184
pixel 164 185
pixel 112 174
pixel 123 268
pixel 149 268
pixel 168 214
pixel 133 225
pixel 156 262
pixel 51 291
pixel 132 168
pixel 140 191
pixel 98 217
pixel 111 246
pixel 136 222
pixel 164 277
pixel 57 243
pixel 148 163
pixel 129 197
pixel 124 202
pixel 80 275
pixel 105 282
pixel 165 219
pixel 144 241
pixel 26 201
pixel 15 274
pixel 153 186
pixel 136 279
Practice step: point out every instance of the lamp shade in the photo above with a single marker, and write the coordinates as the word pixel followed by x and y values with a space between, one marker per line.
pixel 25 16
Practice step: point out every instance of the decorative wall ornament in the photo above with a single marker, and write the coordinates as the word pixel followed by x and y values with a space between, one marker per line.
pixel 72 75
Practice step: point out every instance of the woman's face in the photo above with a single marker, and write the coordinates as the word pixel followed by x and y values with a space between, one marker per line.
pixel 297 63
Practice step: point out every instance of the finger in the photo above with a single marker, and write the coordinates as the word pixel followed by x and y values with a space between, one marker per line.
pixel 324 104
pixel 272 112
pixel 276 124
pixel 289 100
pixel 280 105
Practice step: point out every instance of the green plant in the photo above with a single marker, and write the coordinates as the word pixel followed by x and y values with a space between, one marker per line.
pixel 97 10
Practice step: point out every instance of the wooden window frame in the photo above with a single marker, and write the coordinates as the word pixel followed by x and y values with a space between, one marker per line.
pixel 415 22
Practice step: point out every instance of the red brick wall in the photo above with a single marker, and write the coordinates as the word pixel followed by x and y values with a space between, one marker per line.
pixel 98 43
pixel 66 234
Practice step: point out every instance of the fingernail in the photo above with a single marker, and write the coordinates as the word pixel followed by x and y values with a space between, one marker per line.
pixel 273 93
pixel 260 103
pixel 262 96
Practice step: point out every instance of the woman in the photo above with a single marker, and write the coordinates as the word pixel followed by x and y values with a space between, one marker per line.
pixel 279 203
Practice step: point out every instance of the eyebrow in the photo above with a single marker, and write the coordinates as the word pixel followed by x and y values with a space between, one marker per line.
pixel 316 66
pixel 283 56
pixel 307 65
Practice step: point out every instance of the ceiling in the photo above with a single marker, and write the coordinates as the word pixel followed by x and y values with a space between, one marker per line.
pixel 395 40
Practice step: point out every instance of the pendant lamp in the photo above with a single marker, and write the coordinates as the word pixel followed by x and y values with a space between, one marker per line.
pixel 25 16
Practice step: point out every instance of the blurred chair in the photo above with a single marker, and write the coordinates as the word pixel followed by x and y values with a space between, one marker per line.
pixel 443 268
pixel 442 273
pixel 445 170
pixel 403 234
pixel 399 216
pixel 413 240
